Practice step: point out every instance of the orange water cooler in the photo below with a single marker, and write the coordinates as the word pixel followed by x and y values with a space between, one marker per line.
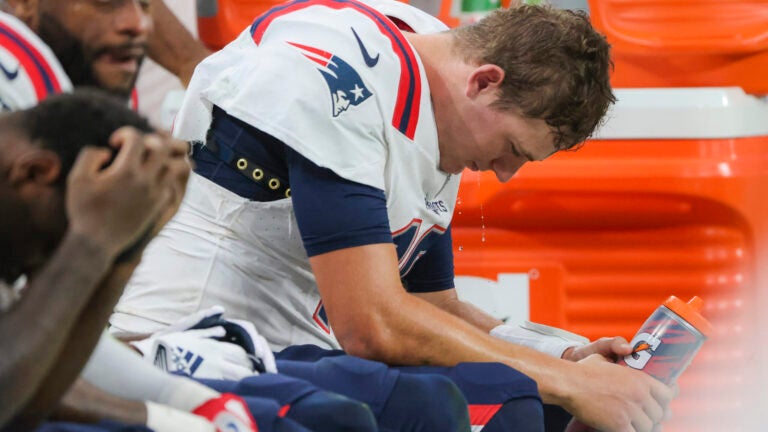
pixel 671 197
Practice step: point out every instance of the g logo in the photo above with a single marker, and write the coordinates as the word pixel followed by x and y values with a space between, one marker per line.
pixel 644 345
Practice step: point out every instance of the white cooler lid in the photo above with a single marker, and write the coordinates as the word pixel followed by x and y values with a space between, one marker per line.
pixel 700 112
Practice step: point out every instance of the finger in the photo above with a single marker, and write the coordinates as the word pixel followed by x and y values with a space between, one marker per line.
pixel 620 347
pixel 667 414
pixel 177 148
pixel 662 392
pixel 89 161
pixel 641 423
pixel 157 156
pixel 177 176
pixel 654 411
pixel 132 149
pixel 675 389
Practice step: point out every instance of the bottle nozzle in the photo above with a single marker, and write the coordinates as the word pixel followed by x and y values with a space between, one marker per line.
pixel 696 303
pixel 690 312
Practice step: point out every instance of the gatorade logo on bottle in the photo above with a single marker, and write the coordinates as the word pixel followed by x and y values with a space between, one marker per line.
pixel 644 345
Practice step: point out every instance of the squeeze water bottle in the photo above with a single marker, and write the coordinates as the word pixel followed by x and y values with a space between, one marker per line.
pixel 669 339
pixel 665 344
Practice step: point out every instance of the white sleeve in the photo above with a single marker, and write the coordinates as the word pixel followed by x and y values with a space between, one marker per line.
pixel 29 71
pixel 117 369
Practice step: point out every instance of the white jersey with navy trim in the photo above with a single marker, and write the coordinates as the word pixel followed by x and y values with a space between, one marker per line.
pixel 29 71
pixel 338 82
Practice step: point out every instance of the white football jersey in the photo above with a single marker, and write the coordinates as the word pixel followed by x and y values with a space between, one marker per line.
pixel 29 71
pixel 338 82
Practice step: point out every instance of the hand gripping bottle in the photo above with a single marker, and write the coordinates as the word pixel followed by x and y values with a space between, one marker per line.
pixel 665 344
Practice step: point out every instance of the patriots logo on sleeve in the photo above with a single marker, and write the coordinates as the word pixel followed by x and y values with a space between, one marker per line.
pixel 344 83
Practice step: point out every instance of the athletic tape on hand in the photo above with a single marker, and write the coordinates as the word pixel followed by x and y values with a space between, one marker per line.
pixel 542 338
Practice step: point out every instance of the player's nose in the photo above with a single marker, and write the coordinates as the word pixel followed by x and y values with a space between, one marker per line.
pixel 133 18
pixel 505 167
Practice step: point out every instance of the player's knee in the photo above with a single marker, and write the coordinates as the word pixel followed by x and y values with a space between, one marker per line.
pixel 448 411
pixel 425 403
pixel 325 411
pixel 500 397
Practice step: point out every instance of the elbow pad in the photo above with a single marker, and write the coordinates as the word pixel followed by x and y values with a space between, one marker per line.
pixel 540 337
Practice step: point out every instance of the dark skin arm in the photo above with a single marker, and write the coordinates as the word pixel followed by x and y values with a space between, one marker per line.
pixel 31 351
pixel 85 403
pixel 172 46
pixel 82 339
pixel 112 208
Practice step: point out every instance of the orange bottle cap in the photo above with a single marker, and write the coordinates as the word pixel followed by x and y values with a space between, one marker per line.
pixel 690 312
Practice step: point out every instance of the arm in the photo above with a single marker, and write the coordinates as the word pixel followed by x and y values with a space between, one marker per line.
pixel 611 348
pixel 53 301
pixel 380 320
pixel 449 301
pixel 77 346
pixel 70 298
pixel 172 46
pixel 85 403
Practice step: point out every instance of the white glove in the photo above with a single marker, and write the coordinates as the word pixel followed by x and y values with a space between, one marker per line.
pixel 197 353
pixel 543 338
pixel 236 333
pixel 257 346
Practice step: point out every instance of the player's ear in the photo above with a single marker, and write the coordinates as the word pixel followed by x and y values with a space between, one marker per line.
pixel 37 167
pixel 25 10
pixel 483 79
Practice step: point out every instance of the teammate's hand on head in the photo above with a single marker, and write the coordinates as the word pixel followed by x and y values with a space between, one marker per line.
pixel 173 156
pixel 615 398
pixel 612 348
pixel 115 205
pixel 228 413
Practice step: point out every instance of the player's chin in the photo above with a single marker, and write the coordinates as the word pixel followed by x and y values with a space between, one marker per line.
pixel 116 81
pixel 121 89
pixel 451 168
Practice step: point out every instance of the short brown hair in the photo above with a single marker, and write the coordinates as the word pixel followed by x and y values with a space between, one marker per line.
pixel 556 66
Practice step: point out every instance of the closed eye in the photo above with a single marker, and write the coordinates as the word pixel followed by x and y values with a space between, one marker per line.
pixel 518 153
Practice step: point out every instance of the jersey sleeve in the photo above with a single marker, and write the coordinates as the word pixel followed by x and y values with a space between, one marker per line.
pixel 434 270
pixel 29 71
pixel 316 88
pixel 332 212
